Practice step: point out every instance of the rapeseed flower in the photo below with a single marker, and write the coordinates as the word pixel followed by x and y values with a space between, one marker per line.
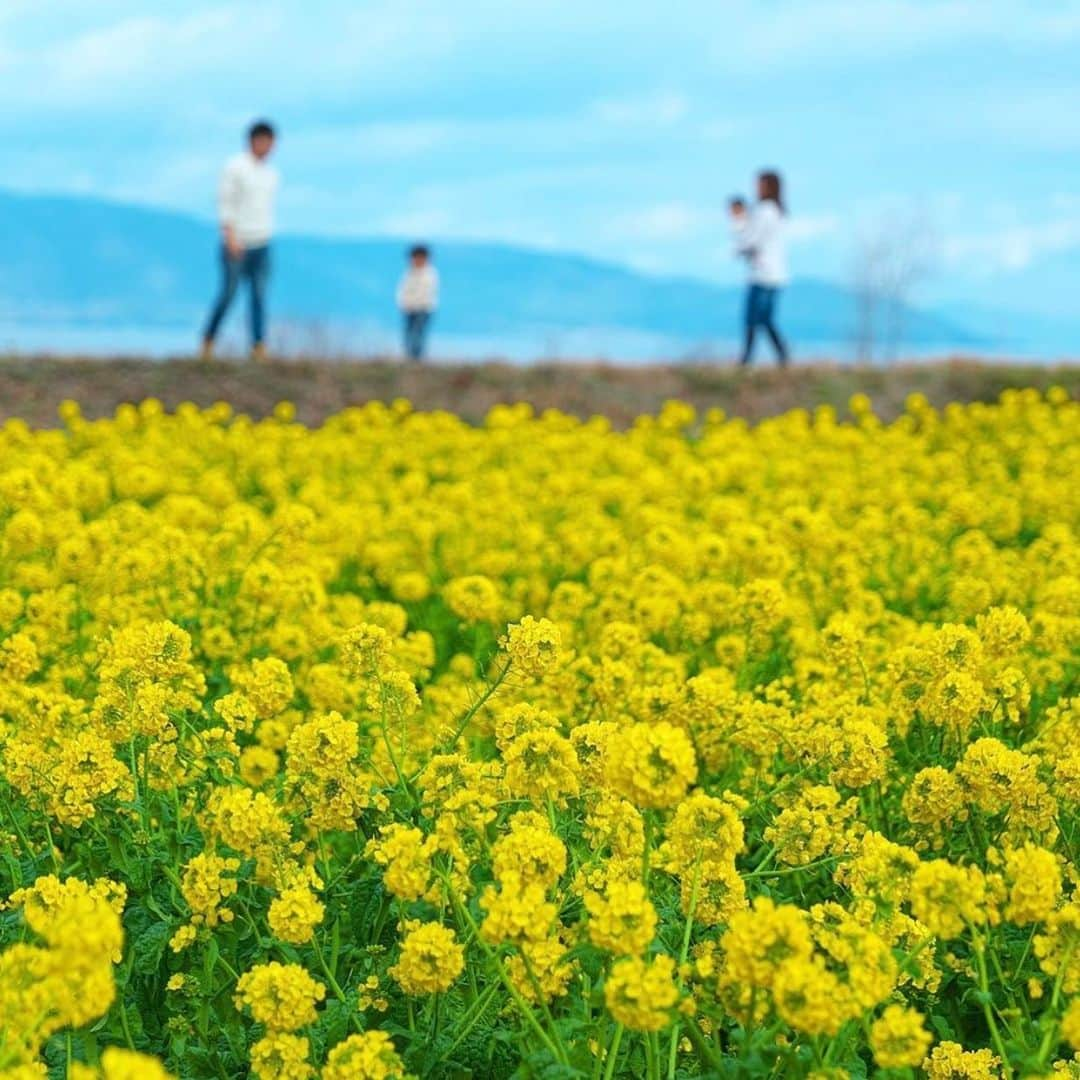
pixel 542 746
pixel 431 959
pixel 281 996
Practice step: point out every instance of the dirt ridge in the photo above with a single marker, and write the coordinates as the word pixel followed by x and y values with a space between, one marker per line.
pixel 32 388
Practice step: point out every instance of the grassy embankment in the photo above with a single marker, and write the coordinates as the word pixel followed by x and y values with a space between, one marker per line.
pixel 32 388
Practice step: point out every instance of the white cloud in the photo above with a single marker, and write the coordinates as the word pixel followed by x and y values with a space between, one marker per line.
pixel 13 10
pixel 672 221
pixel 1014 247
pixel 140 45
pixel 682 237
pixel 357 144
pixel 416 223
pixel 796 34
pixel 666 222
pixel 609 129
pixel 101 64
pixel 806 228
pixel 1040 116
pixel 1065 200
pixel 242 49
pixel 720 130
pixel 652 110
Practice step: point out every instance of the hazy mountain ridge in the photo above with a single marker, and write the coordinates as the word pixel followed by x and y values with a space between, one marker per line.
pixel 73 261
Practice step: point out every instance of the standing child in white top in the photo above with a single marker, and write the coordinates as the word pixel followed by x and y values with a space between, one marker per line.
pixel 417 298
pixel 249 186
pixel 759 238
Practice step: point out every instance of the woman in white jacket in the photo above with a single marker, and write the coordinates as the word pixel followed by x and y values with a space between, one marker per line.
pixel 759 238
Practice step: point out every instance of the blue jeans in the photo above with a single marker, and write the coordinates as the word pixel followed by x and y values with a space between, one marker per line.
pixel 416 328
pixel 760 310
pixel 253 264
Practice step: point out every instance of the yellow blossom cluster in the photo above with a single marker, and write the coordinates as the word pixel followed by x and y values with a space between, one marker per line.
pixel 401 747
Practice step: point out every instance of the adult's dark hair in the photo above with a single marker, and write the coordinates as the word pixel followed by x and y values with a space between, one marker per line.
pixel 419 251
pixel 772 187
pixel 260 128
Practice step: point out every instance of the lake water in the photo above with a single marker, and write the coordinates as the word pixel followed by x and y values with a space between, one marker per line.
pixel 343 342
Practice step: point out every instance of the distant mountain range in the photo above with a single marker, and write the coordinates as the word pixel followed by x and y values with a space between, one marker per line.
pixel 73 266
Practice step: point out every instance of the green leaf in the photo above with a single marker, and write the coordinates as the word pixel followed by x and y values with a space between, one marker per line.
pixel 149 947
pixel 942 1028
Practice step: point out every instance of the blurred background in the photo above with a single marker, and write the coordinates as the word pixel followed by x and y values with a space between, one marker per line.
pixel 570 163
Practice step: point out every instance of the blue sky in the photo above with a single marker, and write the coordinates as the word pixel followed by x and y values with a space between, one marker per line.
pixel 612 128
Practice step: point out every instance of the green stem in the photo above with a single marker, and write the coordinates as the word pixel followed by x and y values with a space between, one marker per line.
pixel 652 1056
pixel 613 1052
pixel 403 781
pixel 52 848
pixel 125 1025
pixel 338 992
pixel 673 1048
pixel 1024 954
pixel 233 973
pixel 646 849
pixel 838 1045
pixel 1047 1043
pixel 471 1018
pixel 541 999
pixel 704 1051
pixel 868 697
pixel 988 1012
pixel 27 851
pixel 557 1051
pixel 480 702
pixel 792 869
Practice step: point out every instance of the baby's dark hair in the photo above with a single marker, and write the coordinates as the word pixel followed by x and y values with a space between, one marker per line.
pixel 419 251
pixel 261 128
pixel 737 202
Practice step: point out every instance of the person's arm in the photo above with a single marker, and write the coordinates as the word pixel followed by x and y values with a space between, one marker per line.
pixel 228 209
pixel 433 289
pixel 402 291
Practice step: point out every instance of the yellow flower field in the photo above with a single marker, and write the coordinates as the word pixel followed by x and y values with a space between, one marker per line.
pixel 400 747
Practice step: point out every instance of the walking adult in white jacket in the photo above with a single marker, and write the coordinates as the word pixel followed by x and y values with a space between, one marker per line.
pixel 249 186
pixel 417 298
pixel 759 238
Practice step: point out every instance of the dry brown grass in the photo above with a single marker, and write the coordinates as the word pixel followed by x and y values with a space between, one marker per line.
pixel 32 388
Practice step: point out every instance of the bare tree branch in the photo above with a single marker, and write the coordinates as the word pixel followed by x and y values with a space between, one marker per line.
pixel 892 257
